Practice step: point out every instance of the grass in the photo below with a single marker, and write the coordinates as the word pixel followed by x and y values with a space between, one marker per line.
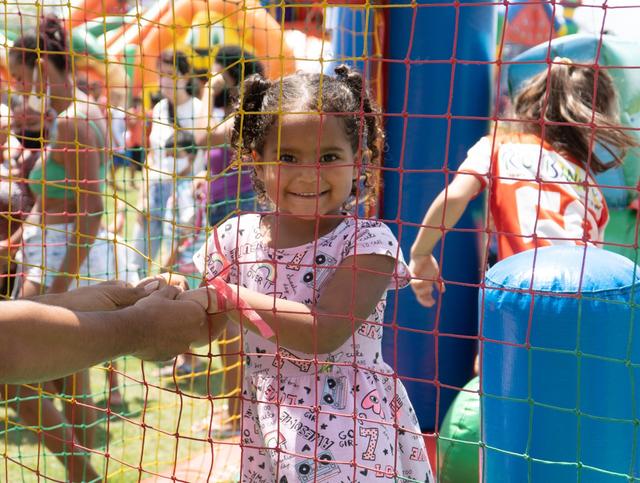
pixel 167 411
pixel 135 452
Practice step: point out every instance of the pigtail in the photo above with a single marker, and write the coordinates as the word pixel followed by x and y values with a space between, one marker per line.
pixel 251 126
pixel 372 135
pixel 53 34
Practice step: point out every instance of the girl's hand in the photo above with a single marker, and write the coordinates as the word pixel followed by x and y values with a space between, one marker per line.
pixel 425 272
pixel 164 279
pixel 206 297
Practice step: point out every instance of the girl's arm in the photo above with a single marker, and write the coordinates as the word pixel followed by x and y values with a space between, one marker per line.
pixel 442 215
pixel 89 206
pixel 347 300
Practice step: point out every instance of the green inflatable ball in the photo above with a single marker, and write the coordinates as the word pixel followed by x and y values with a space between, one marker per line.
pixel 458 443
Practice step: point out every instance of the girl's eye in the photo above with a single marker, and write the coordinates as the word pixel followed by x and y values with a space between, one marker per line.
pixel 287 158
pixel 328 158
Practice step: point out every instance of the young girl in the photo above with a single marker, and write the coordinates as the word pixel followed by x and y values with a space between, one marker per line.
pixel 307 284
pixel 539 174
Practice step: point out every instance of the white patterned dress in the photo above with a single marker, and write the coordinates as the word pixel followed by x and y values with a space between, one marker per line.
pixel 325 417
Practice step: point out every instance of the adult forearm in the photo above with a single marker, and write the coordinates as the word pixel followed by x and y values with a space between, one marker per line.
pixel 40 342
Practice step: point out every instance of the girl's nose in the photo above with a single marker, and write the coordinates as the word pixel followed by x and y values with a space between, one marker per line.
pixel 307 172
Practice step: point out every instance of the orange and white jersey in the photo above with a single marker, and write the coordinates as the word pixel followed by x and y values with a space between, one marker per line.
pixel 537 196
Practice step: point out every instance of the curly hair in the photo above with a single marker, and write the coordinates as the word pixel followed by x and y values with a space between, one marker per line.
pixel 343 94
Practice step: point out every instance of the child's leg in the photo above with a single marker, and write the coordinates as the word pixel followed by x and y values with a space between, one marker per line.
pixel 170 234
pixel 57 434
pixel 148 233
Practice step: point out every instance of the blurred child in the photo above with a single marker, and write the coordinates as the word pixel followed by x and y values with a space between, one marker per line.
pixel 182 208
pixel 134 139
pixel 538 169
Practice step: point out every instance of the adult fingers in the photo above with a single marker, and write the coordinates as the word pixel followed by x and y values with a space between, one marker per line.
pixel 156 281
pixel 125 296
pixel 117 283
pixel 167 292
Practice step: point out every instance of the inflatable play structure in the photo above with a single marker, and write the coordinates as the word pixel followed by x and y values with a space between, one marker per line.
pixel 558 384
pixel 460 431
pixel 121 51
pixel 436 109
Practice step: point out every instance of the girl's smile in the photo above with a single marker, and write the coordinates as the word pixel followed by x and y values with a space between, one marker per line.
pixel 311 170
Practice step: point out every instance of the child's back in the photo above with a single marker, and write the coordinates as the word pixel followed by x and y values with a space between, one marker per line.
pixel 533 204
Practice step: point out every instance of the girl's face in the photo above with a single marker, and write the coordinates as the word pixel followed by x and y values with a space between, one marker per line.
pixel 170 81
pixel 25 79
pixel 311 172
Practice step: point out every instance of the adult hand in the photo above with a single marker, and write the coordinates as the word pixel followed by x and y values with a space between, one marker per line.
pixel 167 327
pixel 206 297
pixel 200 184
pixel 103 296
pixel 425 272
pixel 163 280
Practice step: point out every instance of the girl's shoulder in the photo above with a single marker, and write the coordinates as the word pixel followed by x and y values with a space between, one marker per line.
pixel 373 237
pixel 367 236
pixel 189 108
pixel 241 222
pixel 358 236
pixel 238 228
pixel 224 242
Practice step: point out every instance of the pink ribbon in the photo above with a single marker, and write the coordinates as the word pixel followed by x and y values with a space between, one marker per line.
pixel 225 294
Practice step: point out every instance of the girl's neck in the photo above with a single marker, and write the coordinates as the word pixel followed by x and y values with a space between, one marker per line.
pixel 284 230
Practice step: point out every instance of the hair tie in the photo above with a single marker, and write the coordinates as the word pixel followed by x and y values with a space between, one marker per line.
pixel 562 60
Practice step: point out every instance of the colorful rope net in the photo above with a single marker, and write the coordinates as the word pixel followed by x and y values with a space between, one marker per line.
pixel 132 147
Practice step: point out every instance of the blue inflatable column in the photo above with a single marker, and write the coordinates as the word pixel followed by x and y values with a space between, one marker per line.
pixel 560 373
pixel 351 31
pixel 430 128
